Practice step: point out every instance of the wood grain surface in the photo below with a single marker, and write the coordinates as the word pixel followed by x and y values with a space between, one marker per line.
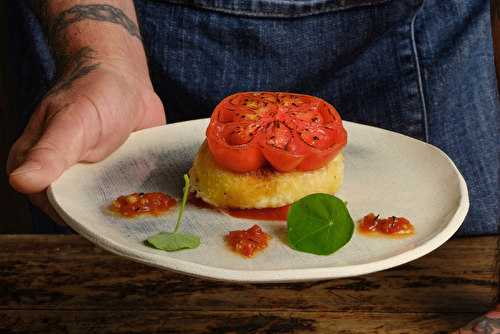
pixel 65 284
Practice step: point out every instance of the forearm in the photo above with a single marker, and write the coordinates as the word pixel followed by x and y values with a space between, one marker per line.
pixel 84 34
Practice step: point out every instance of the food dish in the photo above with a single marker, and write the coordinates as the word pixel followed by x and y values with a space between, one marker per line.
pixel 268 150
pixel 385 172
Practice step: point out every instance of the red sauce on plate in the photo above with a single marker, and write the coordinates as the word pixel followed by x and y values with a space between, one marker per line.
pixel 154 203
pixel 256 214
pixel 248 242
pixel 393 226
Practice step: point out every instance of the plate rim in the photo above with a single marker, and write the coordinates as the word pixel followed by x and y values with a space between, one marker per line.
pixel 269 276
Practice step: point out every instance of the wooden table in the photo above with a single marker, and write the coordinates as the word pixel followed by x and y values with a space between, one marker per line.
pixel 65 284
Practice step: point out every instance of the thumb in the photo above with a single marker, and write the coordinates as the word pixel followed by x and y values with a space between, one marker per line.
pixel 32 170
pixel 47 148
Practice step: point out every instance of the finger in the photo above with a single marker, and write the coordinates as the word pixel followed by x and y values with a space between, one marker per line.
pixel 42 201
pixel 43 165
pixel 61 145
pixel 25 142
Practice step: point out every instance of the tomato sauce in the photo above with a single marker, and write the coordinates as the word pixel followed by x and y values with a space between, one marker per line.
pixel 248 242
pixel 278 214
pixel 154 203
pixel 393 226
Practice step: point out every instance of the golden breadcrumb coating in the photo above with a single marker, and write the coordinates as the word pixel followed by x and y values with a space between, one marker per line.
pixel 262 188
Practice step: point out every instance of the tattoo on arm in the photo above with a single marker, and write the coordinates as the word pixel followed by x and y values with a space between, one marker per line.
pixel 55 29
pixel 105 13
pixel 79 65
pixel 483 325
pixel 72 67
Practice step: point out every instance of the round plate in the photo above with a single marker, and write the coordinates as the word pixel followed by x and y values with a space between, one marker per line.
pixel 385 173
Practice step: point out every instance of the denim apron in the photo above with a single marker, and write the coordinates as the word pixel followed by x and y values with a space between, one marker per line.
pixel 423 68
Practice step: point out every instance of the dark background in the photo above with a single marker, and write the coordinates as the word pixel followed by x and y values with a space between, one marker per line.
pixel 14 212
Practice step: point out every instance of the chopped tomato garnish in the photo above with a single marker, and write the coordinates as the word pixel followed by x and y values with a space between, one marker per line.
pixel 388 226
pixel 248 242
pixel 154 203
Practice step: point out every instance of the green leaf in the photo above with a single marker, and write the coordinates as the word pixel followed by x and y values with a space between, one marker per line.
pixel 169 241
pixel 319 224
pixel 174 241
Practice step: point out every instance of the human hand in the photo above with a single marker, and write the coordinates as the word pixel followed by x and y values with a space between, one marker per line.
pixel 88 114
pixel 487 324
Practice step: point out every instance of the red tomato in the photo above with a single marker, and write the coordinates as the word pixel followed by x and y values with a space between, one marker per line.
pixel 289 131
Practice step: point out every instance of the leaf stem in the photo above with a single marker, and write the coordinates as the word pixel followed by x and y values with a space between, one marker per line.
pixel 184 198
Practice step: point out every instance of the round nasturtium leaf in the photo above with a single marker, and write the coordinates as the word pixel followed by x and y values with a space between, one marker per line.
pixel 319 224
pixel 174 241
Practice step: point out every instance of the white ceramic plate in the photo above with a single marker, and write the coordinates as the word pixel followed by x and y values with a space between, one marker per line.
pixel 385 173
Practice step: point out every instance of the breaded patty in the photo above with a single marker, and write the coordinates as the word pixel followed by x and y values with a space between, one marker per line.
pixel 262 188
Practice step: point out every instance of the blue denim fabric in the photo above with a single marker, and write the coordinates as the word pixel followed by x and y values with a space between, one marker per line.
pixel 423 68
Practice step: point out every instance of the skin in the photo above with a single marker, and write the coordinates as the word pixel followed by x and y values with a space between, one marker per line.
pixel 487 324
pixel 102 93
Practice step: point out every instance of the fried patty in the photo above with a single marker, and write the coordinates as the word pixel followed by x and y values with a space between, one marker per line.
pixel 262 188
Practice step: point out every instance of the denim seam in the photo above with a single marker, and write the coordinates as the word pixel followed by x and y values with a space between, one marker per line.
pixel 419 74
pixel 282 14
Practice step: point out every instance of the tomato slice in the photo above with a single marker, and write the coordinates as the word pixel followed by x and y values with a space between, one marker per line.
pixel 287 131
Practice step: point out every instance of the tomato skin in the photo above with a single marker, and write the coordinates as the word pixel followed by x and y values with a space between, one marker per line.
pixel 288 131
pixel 281 159
pixel 240 158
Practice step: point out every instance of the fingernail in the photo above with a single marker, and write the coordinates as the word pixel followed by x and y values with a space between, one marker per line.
pixel 27 167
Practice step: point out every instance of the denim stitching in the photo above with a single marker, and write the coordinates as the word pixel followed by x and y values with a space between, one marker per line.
pixel 281 14
pixel 419 75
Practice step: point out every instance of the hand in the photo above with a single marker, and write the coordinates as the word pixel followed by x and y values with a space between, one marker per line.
pixel 85 117
pixel 487 324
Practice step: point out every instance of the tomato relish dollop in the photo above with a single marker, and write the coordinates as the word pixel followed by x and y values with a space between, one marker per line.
pixel 392 226
pixel 248 242
pixel 288 131
pixel 154 203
